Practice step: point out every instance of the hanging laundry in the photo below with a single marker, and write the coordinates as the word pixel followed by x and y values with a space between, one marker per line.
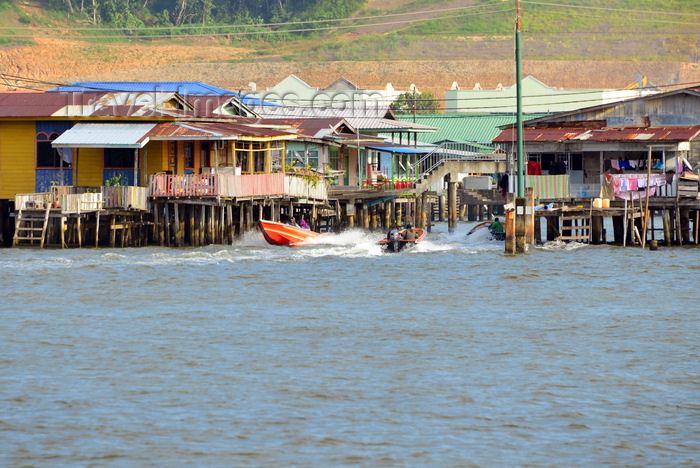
pixel 534 168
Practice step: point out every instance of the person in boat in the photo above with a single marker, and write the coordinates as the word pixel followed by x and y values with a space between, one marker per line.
pixel 303 224
pixel 496 226
pixel 292 222
pixel 394 233
pixel 409 233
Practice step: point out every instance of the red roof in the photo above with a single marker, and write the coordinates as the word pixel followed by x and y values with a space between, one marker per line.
pixel 557 134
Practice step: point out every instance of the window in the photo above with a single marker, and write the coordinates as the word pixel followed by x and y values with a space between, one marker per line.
pixel 189 155
pixel 313 158
pixel 119 158
pixel 333 158
pixel 259 157
pixel 46 155
pixel 204 154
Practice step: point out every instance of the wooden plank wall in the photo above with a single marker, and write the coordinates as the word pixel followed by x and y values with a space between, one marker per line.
pixel 17 158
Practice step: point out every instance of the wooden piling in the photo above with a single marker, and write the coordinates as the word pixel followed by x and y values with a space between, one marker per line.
pixel 529 216
pixel 452 206
pixel 596 229
pixel 510 224
pixel 520 224
pixel 684 225
pixel 618 229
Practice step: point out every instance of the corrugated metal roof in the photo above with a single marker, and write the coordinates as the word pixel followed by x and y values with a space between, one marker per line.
pixel 348 110
pixel 105 135
pixel 462 128
pixel 555 134
pixel 212 131
pixel 315 128
pixel 399 149
pixel 38 104
pixel 181 87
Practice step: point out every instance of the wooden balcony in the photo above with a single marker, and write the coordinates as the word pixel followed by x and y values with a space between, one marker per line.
pixel 237 186
pixel 70 199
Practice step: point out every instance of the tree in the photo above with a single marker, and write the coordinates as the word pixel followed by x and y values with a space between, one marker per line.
pixel 421 103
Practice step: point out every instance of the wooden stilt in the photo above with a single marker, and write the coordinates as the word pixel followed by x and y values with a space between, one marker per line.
pixel 167 225
pixel 510 224
pixel 176 224
pixel 529 215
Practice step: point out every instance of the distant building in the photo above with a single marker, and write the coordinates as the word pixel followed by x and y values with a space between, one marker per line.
pixel 293 92
pixel 537 97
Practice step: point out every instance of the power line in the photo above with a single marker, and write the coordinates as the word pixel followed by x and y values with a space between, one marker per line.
pixel 644 12
pixel 269 26
pixel 288 23
pixel 643 20
pixel 269 31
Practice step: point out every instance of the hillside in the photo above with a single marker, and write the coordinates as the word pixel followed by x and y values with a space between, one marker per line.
pixel 370 56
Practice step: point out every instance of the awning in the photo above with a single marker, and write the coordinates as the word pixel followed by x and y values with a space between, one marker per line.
pixel 398 149
pixel 105 135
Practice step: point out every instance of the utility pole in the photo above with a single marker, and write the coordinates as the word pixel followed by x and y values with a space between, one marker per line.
pixel 519 104
pixel 414 104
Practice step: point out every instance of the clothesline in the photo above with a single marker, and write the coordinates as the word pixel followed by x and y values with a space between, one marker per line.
pixel 630 186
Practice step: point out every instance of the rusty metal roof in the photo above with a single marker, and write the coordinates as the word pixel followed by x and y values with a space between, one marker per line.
pixel 317 128
pixel 31 104
pixel 557 134
pixel 212 131
pixel 81 104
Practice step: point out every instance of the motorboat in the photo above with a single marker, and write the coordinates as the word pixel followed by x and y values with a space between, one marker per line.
pixel 497 236
pixel 285 234
pixel 398 244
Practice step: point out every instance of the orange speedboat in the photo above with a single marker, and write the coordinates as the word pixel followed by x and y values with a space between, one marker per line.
pixel 283 234
pixel 398 244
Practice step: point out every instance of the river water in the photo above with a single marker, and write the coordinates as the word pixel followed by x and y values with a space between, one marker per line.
pixel 451 354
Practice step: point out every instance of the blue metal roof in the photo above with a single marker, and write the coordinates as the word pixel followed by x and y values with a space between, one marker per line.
pixel 398 149
pixel 184 88
pixel 192 88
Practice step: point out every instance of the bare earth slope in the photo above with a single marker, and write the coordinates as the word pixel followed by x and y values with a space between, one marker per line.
pixel 232 67
pixel 66 61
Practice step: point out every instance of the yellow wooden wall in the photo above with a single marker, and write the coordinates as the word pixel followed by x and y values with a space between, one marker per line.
pixel 17 158
pixel 90 162
pixel 156 157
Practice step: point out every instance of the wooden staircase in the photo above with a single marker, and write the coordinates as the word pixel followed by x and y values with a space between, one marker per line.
pixel 575 225
pixel 30 227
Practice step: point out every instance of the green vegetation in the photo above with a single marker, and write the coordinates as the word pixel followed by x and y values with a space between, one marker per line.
pixel 164 13
pixel 295 29
pixel 422 103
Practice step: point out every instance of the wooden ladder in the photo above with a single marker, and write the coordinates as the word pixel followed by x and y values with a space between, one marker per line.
pixel 28 224
pixel 579 228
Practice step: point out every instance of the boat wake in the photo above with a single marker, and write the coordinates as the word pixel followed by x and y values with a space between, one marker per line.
pixel 560 245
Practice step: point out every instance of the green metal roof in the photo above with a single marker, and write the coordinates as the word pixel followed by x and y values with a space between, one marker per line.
pixel 480 128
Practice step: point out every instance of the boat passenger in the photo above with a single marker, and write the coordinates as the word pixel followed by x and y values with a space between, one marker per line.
pixel 292 222
pixel 394 233
pixel 409 233
pixel 496 226
pixel 303 224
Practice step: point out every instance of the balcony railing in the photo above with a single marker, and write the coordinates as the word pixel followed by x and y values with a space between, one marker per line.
pixel 82 199
pixel 388 184
pixel 247 185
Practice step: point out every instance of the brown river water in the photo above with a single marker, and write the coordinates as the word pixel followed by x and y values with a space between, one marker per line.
pixel 451 354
